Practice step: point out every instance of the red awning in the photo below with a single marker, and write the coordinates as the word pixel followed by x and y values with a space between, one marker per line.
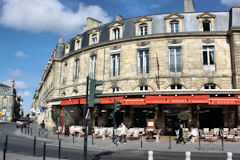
pixel 195 99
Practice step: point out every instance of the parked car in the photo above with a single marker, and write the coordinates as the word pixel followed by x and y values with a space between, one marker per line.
pixel 21 122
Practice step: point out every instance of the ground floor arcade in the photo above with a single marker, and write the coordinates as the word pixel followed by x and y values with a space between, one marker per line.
pixel 204 111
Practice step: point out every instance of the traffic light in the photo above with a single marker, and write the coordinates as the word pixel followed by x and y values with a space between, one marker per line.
pixel 116 108
pixel 93 92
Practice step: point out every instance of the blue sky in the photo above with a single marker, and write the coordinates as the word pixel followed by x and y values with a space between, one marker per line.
pixel 29 30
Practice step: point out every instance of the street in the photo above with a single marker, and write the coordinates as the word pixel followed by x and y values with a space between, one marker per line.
pixel 23 146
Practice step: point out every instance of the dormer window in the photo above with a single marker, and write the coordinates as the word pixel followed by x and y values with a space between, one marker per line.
pixel 78 42
pixel 94 39
pixel 93 36
pixel 174 26
pixel 206 25
pixel 116 30
pixel 174 23
pixel 143 29
pixel 67 47
pixel 206 22
pixel 143 26
pixel 116 33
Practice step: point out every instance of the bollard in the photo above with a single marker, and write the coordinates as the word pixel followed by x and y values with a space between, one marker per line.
pixel 188 156
pixel 222 142
pixel 150 155
pixel 229 155
pixel 31 131
pixel 4 151
pixel 92 138
pixel 58 136
pixel 170 143
pixel 199 140
pixel 44 151
pixel 39 132
pixel 34 147
pixel 25 130
pixel 73 138
pixel 59 149
pixel 21 129
pixel 6 142
pixel 141 141
pixel 28 129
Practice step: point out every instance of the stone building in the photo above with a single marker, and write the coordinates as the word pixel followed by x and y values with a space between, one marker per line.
pixel 156 65
pixel 10 103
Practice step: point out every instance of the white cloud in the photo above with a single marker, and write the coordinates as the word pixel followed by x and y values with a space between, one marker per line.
pixel 16 74
pixel 19 85
pixel 24 94
pixel 230 2
pixel 48 15
pixel 21 54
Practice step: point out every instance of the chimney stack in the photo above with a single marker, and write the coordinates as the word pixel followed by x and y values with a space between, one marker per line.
pixel 189 6
pixel 119 17
pixel 13 84
pixel 91 23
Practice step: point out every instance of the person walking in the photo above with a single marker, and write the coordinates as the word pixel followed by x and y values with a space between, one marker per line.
pixel 180 136
pixel 123 133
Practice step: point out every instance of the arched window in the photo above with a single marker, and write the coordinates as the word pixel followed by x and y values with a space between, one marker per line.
pixel 210 86
pixel 143 29
pixel 115 89
pixel 174 26
pixel 176 86
pixel 143 88
pixel 206 25
pixel 116 33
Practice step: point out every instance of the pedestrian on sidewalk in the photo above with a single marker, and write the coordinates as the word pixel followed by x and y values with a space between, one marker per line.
pixel 180 136
pixel 123 133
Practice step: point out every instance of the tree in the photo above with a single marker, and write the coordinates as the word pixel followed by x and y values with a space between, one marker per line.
pixel 184 116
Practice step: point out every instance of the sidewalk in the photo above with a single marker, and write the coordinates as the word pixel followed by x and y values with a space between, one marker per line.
pixel 14 156
pixel 107 145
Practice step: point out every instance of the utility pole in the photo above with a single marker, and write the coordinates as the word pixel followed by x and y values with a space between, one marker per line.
pixel 86 122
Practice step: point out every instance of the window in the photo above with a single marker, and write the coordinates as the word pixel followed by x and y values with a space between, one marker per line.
pixel 78 44
pixel 143 88
pixel 206 25
pixel 143 29
pixel 174 26
pixel 5 100
pixel 143 61
pixel 210 86
pixel 92 66
pixel 208 56
pixel 115 89
pixel 176 86
pixel 175 60
pixel 116 33
pixel 115 64
pixel 76 69
pixel 94 39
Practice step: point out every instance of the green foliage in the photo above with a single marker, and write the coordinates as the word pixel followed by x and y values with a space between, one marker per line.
pixel 184 116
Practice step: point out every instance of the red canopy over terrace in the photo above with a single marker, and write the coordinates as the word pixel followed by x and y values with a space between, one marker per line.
pixel 196 99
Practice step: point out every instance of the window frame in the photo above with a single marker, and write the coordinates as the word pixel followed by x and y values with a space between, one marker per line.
pixel 116 33
pixel 143 29
pixel 207 65
pixel 5 100
pixel 143 88
pixel 94 38
pixel 77 69
pixel 209 23
pixel 175 59
pixel 92 66
pixel 176 87
pixel 115 89
pixel 115 59
pixel 145 68
pixel 175 28
pixel 209 86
